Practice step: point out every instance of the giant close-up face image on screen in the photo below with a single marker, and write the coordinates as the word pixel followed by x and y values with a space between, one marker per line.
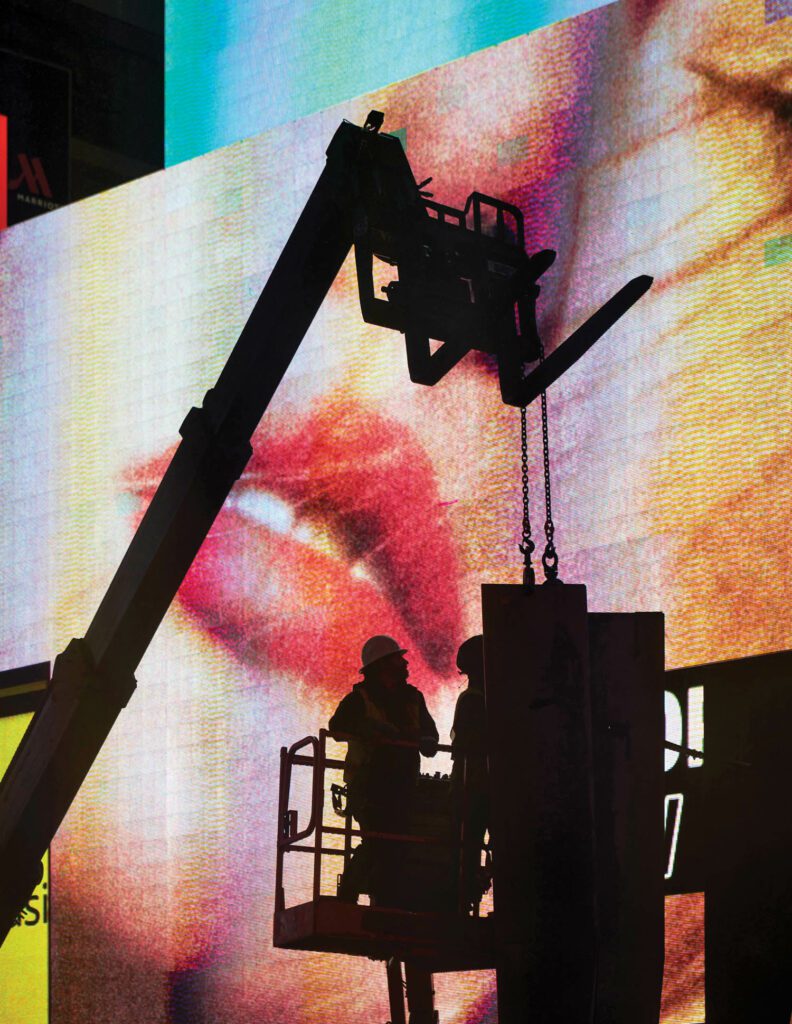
pixel 637 138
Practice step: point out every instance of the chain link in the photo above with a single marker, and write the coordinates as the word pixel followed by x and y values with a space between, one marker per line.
pixel 550 555
pixel 527 546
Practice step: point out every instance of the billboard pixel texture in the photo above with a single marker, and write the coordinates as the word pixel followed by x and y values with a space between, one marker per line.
pixel 654 145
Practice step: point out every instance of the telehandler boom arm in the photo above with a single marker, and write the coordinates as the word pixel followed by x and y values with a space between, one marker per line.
pixel 463 279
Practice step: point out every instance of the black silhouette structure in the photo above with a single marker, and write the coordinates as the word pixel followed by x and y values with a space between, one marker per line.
pixel 452 272
pixel 381 776
pixel 734 833
pixel 470 774
pixel 575 742
pixel 574 739
pixel 461 278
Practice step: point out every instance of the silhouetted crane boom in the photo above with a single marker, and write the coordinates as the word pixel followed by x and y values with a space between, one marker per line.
pixel 463 279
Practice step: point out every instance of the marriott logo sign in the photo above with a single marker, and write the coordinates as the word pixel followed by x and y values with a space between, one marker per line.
pixel 33 175
pixel 35 110
pixel 23 180
pixel 31 185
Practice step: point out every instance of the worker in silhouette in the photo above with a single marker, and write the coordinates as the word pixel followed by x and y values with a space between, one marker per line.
pixel 469 775
pixel 389 727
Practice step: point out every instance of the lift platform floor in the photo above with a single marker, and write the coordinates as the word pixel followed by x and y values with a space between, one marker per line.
pixel 435 942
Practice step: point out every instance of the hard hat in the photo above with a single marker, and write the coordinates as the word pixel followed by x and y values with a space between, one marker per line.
pixel 470 656
pixel 377 647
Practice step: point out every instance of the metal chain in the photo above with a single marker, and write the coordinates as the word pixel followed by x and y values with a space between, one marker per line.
pixel 527 546
pixel 550 555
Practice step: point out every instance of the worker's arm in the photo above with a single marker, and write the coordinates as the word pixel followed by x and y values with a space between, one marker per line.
pixel 429 735
pixel 350 717
pixel 347 716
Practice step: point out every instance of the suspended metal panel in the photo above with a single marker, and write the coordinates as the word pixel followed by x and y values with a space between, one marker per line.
pixel 538 713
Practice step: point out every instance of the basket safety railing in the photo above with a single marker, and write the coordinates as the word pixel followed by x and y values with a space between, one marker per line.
pixel 311 752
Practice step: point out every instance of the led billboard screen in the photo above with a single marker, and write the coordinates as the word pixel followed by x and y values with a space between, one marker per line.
pixel 373 505
pixel 235 68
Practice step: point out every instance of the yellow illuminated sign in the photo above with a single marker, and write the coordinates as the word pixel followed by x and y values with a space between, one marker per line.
pixel 24 956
